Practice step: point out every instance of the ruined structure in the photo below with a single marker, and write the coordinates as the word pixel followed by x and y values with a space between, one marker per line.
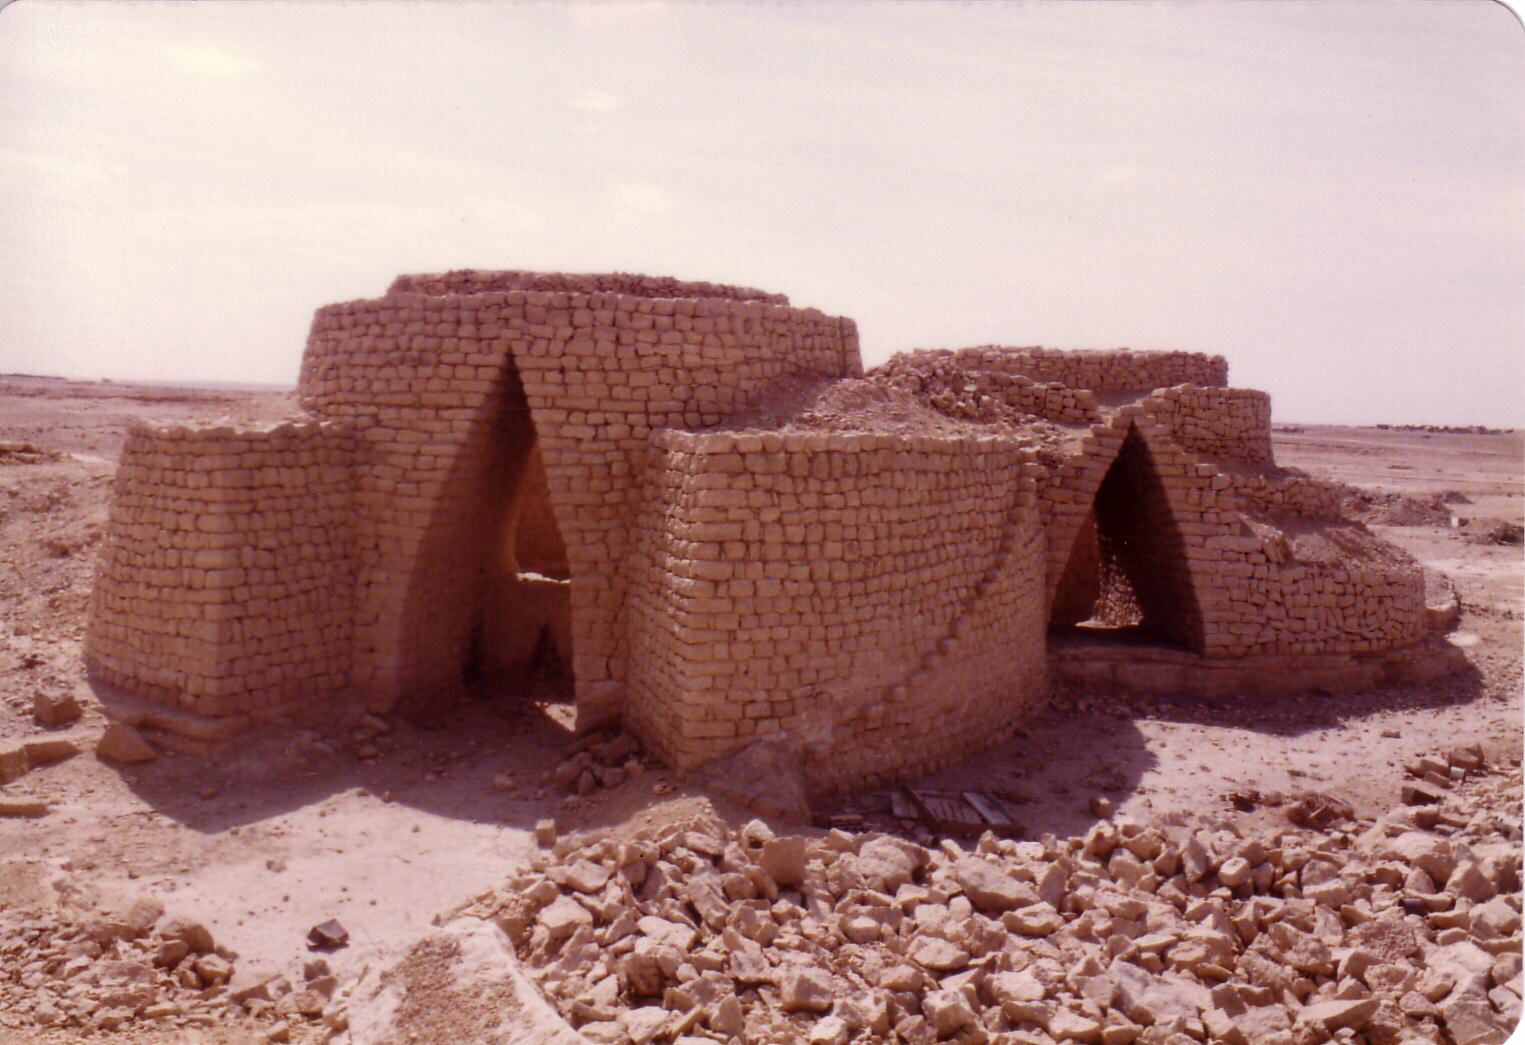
pixel 493 468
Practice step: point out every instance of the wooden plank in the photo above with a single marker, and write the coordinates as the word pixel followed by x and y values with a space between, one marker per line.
pixel 986 809
pixel 995 812
pixel 946 810
pixel 903 807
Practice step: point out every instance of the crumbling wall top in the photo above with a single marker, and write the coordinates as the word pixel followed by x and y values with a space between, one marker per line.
pixel 1103 371
pixel 481 281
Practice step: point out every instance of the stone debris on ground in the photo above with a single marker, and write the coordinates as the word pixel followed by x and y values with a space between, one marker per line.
pixel 329 936
pixel 52 709
pixel 597 761
pixel 1402 929
pixel 131 969
pixel 123 743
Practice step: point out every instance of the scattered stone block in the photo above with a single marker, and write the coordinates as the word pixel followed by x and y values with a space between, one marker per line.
pixel 22 807
pixel 805 989
pixel 55 709
pixel 783 859
pixel 123 743
pixel 327 936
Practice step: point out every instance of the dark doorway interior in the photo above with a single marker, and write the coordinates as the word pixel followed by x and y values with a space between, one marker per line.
pixel 1127 574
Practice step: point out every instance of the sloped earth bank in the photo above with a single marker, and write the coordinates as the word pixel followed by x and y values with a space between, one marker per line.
pixel 389 826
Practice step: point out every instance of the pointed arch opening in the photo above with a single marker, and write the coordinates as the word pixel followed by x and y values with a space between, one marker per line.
pixel 1127 575
pixel 485 605
pixel 524 634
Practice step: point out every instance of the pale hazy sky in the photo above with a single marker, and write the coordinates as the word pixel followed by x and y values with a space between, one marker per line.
pixel 1331 195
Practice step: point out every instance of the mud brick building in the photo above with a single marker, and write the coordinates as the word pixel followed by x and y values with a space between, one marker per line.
pixel 495 467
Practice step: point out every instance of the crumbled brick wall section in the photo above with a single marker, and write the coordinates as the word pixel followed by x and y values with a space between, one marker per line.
pixel 1230 423
pixel 1252 597
pixel 479 281
pixel 984 394
pixel 422 379
pixel 1293 495
pixel 224 581
pixel 1103 371
pixel 841 588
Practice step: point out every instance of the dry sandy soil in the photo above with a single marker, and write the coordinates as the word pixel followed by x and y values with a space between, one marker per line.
pixel 273 835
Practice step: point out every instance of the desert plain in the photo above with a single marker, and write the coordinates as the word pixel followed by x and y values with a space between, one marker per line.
pixel 171 899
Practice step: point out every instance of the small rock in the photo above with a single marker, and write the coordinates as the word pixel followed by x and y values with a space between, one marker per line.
pixel 784 859
pixel 644 1024
pixel 1332 1015
pixel 46 752
pixel 948 1011
pixel 990 888
pixel 13 764
pixel 886 863
pixel 123 743
pixel 727 1017
pixel 1065 1025
pixel 1417 794
pixel 328 936
pixel 1038 919
pixel 212 969
pixel 830 1031
pixel 545 832
pixel 170 951
pixel 563 915
pixel 195 935
pixel 28 807
pixel 931 952
pixel 585 876
pixel 672 934
pixel 1234 872
pixel 137 919
pixel 805 988
pixel 55 709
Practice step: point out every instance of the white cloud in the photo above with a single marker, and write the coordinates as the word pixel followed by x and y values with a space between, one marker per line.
pixel 595 100
pixel 207 61
pixel 639 196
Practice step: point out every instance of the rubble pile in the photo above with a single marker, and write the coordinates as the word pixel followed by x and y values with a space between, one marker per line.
pixel 135 968
pixel 599 760
pixel 1010 401
pixel 1402 929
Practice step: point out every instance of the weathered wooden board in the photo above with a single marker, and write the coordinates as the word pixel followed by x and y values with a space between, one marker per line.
pixel 967 812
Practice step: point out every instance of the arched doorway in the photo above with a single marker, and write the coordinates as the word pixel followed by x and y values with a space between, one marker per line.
pixel 525 628
pixel 1127 574
pixel 486 587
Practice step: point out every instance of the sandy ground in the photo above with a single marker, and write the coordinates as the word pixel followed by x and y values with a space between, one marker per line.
pixel 287 830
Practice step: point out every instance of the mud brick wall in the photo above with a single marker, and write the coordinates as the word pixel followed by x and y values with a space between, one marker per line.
pixel 445 391
pixel 1296 496
pixel 985 395
pixel 1103 371
pixel 224 582
pixel 1231 423
pixel 872 597
pixel 478 281
pixel 1224 587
